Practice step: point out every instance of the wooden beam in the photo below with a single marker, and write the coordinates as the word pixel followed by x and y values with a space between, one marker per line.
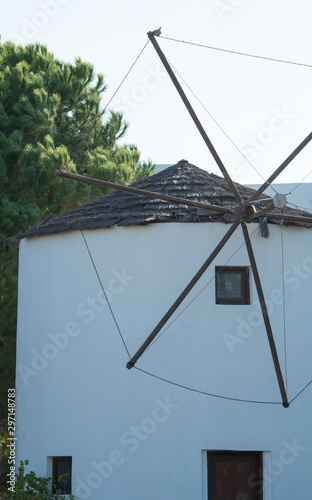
pixel 191 111
pixel 182 295
pixel 281 167
pixel 289 218
pixel 142 192
pixel 265 315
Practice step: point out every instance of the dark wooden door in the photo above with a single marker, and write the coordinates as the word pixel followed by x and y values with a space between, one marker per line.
pixel 235 476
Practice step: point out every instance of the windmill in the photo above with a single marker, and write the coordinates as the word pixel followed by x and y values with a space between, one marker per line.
pixel 240 215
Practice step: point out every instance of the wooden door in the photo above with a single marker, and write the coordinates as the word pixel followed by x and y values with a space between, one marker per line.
pixel 235 476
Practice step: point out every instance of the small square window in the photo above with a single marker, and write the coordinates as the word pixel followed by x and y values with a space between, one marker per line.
pixel 61 474
pixel 232 285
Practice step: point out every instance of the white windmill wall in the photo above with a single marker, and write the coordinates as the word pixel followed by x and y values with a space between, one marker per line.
pixel 131 435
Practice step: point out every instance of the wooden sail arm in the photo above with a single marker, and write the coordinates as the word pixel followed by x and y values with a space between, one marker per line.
pixel 289 218
pixel 265 315
pixel 280 169
pixel 151 35
pixel 183 294
pixel 143 192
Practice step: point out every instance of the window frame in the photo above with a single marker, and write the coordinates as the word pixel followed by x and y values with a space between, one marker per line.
pixel 245 295
pixel 55 474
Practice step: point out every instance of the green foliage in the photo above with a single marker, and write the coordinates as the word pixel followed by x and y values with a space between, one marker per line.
pixel 28 485
pixel 50 118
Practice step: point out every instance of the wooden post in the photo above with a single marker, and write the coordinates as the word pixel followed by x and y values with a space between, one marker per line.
pixel 265 316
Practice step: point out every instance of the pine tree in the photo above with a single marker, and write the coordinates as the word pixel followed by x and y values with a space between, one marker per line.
pixel 50 118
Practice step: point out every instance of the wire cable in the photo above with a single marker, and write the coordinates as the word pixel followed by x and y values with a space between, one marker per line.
pixel 207 393
pixel 126 75
pixel 105 295
pixel 99 118
pixel 298 206
pixel 300 392
pixel 99 279
pixel 219 126
pixel 273 59
pixel 305 177
pixel 284 299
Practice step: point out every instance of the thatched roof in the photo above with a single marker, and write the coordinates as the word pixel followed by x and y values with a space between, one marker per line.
pixel 126 209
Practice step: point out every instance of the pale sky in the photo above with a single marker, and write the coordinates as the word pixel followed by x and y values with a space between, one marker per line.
pixel 263 106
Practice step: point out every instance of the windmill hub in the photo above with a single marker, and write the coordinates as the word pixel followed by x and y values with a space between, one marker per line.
pixel 244 210
pixel 250 209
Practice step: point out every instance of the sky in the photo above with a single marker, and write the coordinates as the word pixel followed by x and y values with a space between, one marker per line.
pixel 259 107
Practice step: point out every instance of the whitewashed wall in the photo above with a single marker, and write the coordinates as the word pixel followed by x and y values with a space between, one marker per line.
pixel 133 436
